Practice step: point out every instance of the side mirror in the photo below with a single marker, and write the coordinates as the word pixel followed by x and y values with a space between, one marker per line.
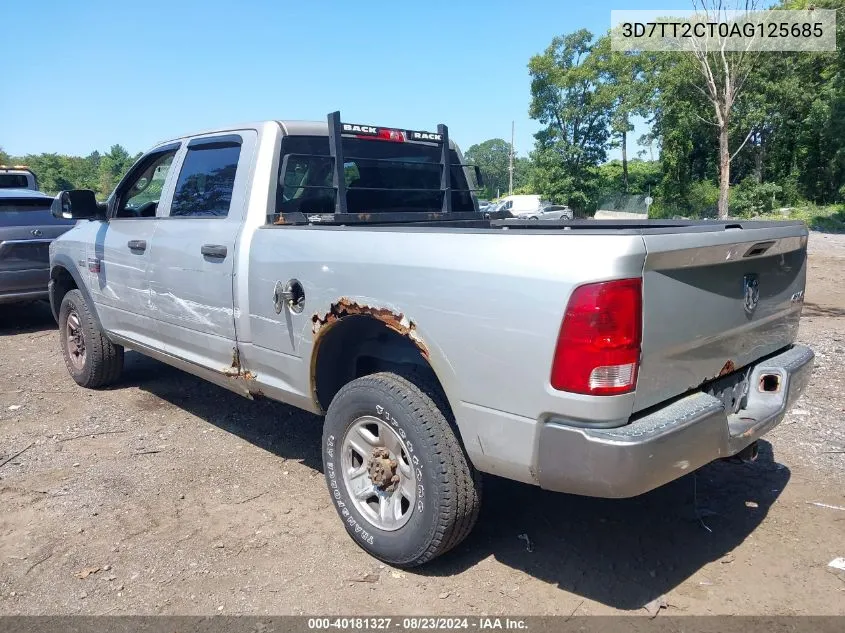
pixel 78 204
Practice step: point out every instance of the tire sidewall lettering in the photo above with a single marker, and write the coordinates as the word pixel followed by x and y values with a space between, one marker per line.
pixel 359 528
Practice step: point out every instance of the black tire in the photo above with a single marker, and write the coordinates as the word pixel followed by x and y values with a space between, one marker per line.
pixel 103 360
pixel 533 217
pixel 448 507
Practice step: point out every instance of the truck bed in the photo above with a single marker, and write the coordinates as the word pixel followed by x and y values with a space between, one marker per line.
pixel 695 325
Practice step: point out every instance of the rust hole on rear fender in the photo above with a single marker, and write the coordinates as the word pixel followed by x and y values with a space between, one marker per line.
pixel 344 307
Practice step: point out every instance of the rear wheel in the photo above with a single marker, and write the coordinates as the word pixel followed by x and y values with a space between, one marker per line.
pixel 533 217
pixel 397 473
pixel 91 358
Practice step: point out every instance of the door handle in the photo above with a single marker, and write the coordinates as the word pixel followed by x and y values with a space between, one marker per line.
pixel 137 245
pixel 214 250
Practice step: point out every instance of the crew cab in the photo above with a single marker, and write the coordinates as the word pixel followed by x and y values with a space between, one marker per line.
pixel 345 269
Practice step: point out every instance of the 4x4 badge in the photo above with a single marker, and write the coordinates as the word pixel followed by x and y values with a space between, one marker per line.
pixel 751 286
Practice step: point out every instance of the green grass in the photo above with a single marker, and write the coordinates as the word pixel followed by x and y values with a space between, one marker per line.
pixel 830 219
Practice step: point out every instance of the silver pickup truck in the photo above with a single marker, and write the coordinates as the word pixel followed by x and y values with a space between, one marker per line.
pixel 345 269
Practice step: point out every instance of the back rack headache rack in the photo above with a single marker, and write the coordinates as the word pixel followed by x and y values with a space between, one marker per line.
pixel 341 215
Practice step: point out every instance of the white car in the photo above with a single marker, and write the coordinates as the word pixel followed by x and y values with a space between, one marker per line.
pixel 552 212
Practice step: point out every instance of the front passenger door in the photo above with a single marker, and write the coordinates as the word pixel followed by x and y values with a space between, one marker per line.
pixel 118 261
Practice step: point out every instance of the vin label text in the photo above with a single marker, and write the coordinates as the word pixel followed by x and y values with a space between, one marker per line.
pixel 725 30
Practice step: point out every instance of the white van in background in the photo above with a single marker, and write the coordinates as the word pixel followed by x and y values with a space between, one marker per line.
pixel 522 205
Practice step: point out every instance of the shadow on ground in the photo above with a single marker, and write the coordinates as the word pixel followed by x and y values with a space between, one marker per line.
pixel 283 430
pixel 622 553
pixel 26 318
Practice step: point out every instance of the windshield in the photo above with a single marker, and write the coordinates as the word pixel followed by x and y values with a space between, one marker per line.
pixel 374 183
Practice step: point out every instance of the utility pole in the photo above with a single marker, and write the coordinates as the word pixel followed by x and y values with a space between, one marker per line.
pixel 510 165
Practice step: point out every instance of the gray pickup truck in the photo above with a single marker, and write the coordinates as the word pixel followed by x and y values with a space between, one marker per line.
pixel 345 269
pixel 26 229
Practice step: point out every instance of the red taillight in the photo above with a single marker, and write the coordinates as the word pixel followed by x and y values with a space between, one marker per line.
pixel 598 348
pixel 397 136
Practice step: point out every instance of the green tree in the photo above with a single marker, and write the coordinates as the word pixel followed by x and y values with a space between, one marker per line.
pixel 112 166
pixel 89 171
pixel 570 100
pixel 58 171
pixel 786 128
pixel 722 78
pixel 688 146
pixel 628 86
pixel 643 176
pixel 52 171
pixel 522 169
pixel 815 100
pixel 492 157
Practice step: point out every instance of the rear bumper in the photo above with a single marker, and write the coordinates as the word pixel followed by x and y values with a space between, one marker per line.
pixel 671 441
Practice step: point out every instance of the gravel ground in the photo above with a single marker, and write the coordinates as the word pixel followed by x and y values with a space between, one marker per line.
pixel 169 495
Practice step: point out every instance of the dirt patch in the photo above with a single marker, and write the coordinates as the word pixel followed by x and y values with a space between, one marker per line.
pixel 189 499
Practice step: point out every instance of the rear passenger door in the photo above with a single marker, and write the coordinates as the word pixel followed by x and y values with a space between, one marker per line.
pixel 192 262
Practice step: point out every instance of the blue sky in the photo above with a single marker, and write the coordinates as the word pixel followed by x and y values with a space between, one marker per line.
pixel 79 76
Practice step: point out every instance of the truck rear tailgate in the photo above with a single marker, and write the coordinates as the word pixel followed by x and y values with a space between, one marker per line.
pixel 715 301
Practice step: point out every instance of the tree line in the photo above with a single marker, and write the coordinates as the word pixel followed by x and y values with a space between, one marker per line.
pixel 55 172
pixel 746 133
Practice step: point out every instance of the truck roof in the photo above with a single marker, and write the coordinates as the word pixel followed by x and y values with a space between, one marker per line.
pixel 290 127
pixel 15 168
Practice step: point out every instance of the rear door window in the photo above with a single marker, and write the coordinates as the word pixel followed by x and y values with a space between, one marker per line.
pixel 206 181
